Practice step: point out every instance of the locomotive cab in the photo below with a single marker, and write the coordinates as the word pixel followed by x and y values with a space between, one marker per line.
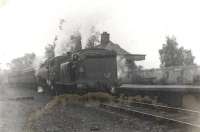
pixel 91 69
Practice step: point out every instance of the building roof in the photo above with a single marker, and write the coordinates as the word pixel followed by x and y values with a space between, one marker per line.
pixel 120 51
pixel 112 46
pixel 97 52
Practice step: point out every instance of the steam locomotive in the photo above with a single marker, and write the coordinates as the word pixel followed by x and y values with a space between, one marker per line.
pixel 85 70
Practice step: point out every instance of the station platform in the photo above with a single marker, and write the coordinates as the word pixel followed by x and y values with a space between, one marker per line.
pixel 162 88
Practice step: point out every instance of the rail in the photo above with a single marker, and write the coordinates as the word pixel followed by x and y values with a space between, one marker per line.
pixel 154 114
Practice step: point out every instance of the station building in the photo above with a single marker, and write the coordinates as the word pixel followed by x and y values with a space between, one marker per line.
pixel 125 60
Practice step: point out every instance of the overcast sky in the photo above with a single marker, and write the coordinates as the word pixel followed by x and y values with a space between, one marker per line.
pixel 139 26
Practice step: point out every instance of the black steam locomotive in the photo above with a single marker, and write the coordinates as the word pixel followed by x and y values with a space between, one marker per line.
pixel 85 70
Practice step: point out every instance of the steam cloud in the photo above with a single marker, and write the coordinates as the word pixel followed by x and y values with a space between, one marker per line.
pixel 122 69
pixel 36 64
pixel 83 26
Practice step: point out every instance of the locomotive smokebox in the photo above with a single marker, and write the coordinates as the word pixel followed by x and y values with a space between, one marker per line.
pixel 105 38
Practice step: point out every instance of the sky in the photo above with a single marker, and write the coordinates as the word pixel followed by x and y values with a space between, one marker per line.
pixel 138 26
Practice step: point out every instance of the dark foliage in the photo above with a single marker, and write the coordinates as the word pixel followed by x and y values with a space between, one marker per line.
pixel 172 55
pixel 23 62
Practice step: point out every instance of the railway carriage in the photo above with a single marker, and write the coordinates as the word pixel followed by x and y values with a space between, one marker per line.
pixel 24 77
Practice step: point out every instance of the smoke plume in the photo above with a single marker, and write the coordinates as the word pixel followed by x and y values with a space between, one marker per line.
pixel 82 27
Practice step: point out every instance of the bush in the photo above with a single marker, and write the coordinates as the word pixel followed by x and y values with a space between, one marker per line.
pixel 73 98
pixel 62 100
pixel 97 97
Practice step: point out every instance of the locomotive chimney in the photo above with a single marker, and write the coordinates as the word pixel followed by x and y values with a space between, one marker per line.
pixel 76 40
pixel 105 38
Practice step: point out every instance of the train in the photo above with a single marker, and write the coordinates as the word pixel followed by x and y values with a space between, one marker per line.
pixel 24 77
pixel 95 69
pixel 85 70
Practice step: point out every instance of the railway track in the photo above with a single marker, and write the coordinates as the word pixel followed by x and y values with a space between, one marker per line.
pixel 168 109
pixel 24 98
pixel 176 117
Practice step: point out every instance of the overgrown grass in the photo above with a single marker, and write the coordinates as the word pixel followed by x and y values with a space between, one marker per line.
pixel 145 99
pixel 62 100
pixel 137 98
pixel 98 97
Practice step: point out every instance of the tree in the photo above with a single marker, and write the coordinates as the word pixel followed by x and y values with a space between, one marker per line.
pixel 172 55
pixel 28 59
pixel 23 62
pixel 188 57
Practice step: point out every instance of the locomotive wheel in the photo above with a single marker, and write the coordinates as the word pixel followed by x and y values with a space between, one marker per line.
pixel 40 89
pixel 53 90
pixel 51 87
pixel 48 82
pixel 113 90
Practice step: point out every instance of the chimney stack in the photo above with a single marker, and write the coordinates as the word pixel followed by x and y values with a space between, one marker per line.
pixel 105 38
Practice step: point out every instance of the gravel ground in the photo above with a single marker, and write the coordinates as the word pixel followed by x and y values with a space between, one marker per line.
pixel 14 110
pixel 71 117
